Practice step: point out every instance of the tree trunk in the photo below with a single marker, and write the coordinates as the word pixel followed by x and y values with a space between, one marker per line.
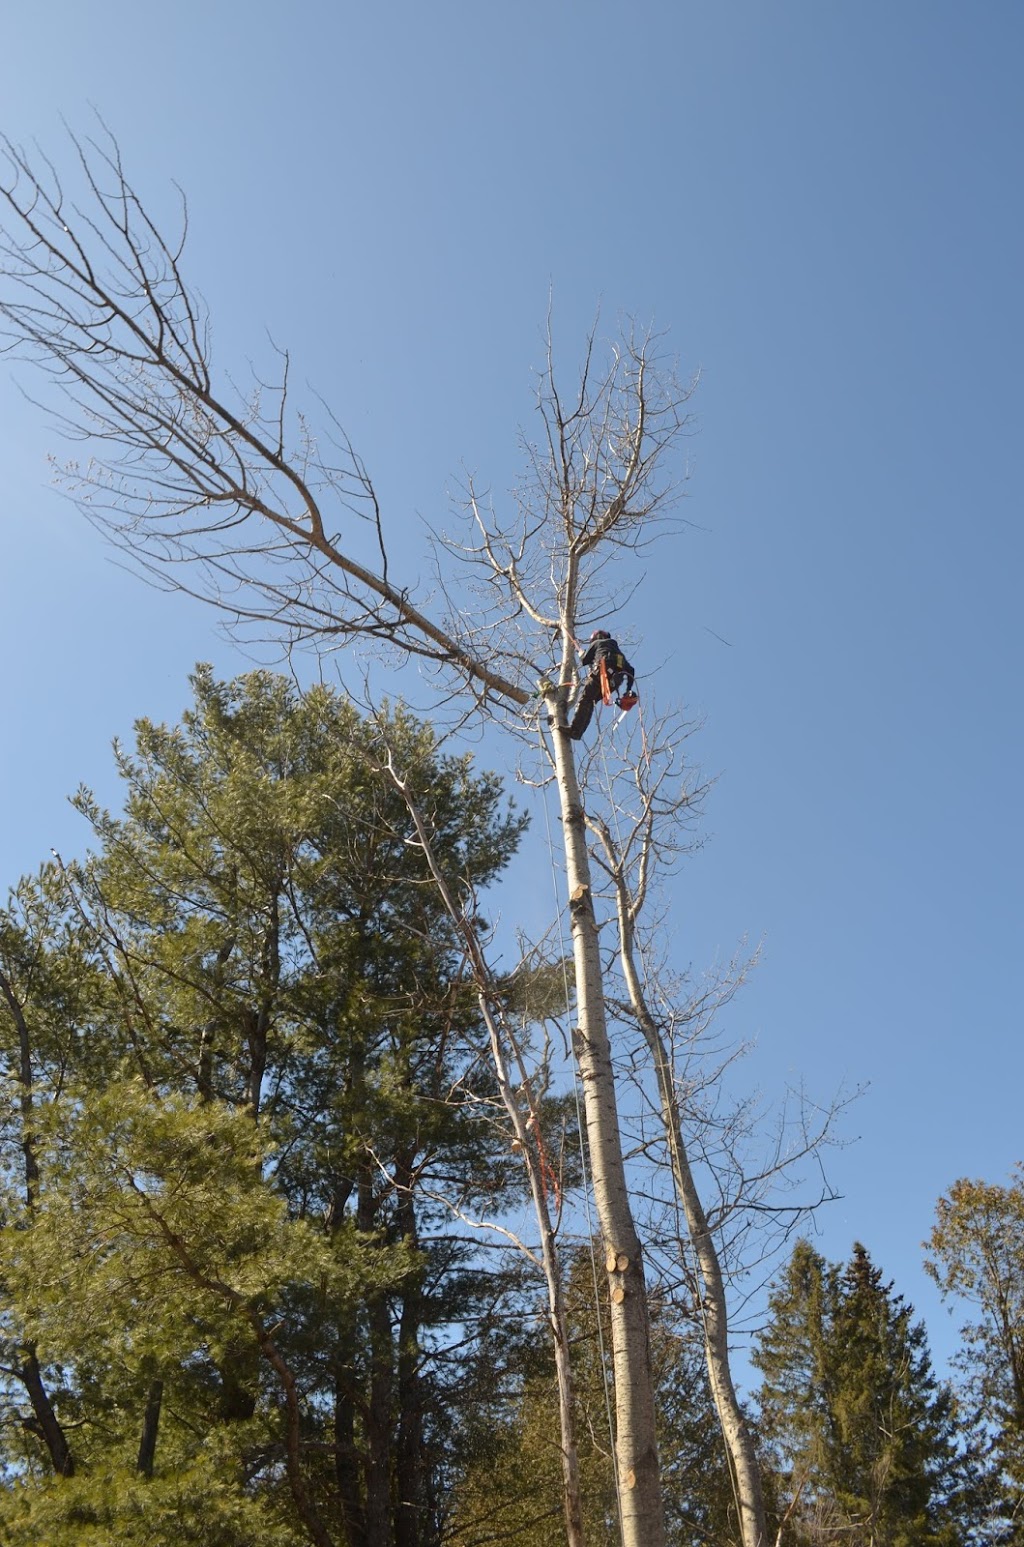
pixel 46 1423
pixel 260 1019
pixel 378 1408
pixel 639 1487
pixel 378 1425
pixel 410 1505
pixel 150 1426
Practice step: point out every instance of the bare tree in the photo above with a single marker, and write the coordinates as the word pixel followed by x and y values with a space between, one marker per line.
pixel 233 498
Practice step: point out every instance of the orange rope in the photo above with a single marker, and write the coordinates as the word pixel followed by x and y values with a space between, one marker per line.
pixel 606 689
pixel 546 1170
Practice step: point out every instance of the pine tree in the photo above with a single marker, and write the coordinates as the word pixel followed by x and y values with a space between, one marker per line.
pixel 235 1038
pixel 861 1434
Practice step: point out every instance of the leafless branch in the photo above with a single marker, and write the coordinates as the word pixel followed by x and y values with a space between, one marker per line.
pixel 183 471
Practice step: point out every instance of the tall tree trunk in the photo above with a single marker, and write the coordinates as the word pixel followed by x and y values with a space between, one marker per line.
pixel 410 1505
pixel 24 1079
pixel 639 1485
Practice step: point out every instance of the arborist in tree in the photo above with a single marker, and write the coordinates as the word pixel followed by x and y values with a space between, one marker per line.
pixel 609 669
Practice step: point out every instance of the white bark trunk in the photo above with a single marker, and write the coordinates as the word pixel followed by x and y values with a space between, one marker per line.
pixel 639 1483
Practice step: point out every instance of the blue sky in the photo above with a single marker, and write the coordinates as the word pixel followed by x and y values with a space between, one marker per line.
pixel 821 204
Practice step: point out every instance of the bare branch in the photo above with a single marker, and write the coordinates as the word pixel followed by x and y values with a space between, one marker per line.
pixel 180 473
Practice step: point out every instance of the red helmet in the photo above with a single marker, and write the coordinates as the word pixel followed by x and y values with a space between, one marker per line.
pixel 600 633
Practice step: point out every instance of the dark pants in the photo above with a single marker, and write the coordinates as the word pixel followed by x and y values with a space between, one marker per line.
pixel 589 698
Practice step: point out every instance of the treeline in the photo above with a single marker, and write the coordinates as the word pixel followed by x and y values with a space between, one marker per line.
pixel 249 1131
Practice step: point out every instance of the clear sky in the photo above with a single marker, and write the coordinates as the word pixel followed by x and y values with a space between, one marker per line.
pixel 822 204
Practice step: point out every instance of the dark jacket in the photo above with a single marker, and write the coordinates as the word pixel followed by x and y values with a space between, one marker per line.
pixel 615 662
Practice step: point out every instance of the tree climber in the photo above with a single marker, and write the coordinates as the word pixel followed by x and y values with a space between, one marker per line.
pixel 609 669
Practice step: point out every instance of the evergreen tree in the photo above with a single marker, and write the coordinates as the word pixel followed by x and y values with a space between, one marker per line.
pixel 243 1070
pixel 861 1434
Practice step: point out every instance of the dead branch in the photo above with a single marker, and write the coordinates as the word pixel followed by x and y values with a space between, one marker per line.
pixel 186 477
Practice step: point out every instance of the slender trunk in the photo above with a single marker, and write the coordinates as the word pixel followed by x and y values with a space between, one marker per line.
pixel 410 1482
pixel 528 1136
pixel 378 1405
pixel 410 1507
pixel 46 1423
pixel 150 1426
pixel 639 1485
pixel 559 1322
pixel 378 1425
pixel 739 1442
pixel 261 1019
pixel 347 1468
pixel 529 1140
